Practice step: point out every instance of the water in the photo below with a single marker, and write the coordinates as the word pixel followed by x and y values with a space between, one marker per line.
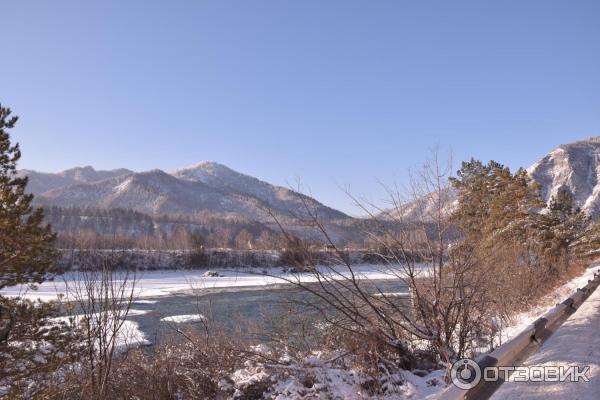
pixel 232 308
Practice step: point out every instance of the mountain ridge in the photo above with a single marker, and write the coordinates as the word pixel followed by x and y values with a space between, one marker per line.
pixel 203 187
pixel 211 187
pixel 572 166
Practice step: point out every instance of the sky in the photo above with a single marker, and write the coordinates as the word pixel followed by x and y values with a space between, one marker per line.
pixel 332 93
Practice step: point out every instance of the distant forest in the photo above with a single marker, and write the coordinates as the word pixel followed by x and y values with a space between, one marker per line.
pixel 120 228
pixel 128 229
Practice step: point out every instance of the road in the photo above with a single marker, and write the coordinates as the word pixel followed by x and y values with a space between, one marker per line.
pixel 575 343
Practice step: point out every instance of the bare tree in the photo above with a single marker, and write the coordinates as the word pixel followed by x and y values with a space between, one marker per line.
pixel 414 237
pixel 102 298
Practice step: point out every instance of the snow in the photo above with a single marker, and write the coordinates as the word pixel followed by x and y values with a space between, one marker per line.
pixel 581 329
pixel 575 343
pixel 135 313
pixel 122 187
pixel 393 294
pixel 166 283
pixel 573 166
pixel 129 335
pixel 204 187
pixel 316 377
pixel 145 301
pixel 521 321
pixel 185 318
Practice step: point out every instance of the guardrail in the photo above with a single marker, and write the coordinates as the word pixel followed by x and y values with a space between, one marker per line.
pixel 515 351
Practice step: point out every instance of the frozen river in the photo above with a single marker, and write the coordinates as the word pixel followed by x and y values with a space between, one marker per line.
pixel 231 308
pixel 166 300
pixel 167 283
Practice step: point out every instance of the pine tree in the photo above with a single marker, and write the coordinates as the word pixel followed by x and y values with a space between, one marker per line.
pixel 31 344
pixel 502 219
pixel 496 217
pixel 493 203
pixel 566 231
pixel 26 251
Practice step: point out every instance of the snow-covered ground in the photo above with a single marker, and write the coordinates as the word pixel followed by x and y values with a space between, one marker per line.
pixel 521 321
pixel 165 283
pixel 575 343
pixel 328 380
pixel 589 326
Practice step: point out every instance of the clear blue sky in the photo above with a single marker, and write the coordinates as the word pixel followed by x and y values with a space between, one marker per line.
pixel 332 92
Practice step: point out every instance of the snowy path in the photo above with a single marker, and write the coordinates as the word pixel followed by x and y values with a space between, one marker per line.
pixel 575 343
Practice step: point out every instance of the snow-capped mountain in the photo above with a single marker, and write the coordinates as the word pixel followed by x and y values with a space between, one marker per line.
pixel 575 167
pixel 423 209
pixel 208 188
pixel 40 182
pixel 214 189
pixel 225 179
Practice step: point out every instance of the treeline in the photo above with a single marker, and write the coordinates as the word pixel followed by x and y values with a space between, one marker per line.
pixel 290 259
pixel 129 229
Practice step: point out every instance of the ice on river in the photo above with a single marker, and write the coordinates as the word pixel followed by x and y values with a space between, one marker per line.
pixel 166 283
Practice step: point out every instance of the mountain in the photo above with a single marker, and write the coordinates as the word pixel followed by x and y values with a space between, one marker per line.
pixel 222 178
pixel 423 209
pixel 212 189
pixel 574 167
pixel 40 182
pixel 205 188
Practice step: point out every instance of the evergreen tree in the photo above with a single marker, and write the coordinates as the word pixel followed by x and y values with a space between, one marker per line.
pixel 26 251
pixel 566 231
pixel 31 344
pixel 494 205
pixel 498 230
pixel 506 228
